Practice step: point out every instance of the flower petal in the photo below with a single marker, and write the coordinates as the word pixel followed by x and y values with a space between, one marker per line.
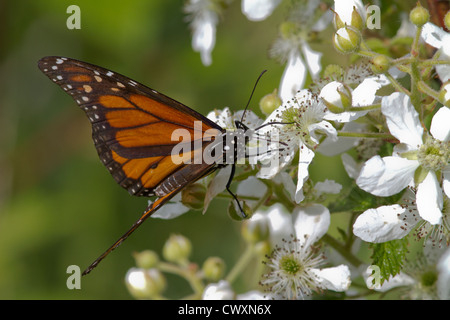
pixel 305 158
pixel 293 77
pixel 171 210
pixel 336 278
pixel 204 35
pixel 311 223
pixel 443 283
pixel 328 186
pixel 402 119
pixel 446 181
pixel 253 295
pixel 323 127
pixel 330 147
pixel 351 167
pixel 382 224
pixel 439 124
pixel 218 291
pixel 257 10
pixel 251 187
pixel 312 59
pixel 280 224
pixel 438 38
pixel 365 93
pixel 386 176
pixel 429 199
pixel 216 186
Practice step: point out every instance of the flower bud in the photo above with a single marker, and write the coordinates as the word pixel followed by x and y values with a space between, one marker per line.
pixel 145 284
pixel 213 268
pixel 146 259
pixel 336 96
pixel 380 64
pixel 419 15
pixel 347 40
pixel 270 102
pixel 177 249
pixel 193 196
pixel 349 13
pixel 447 20
pixel 236 214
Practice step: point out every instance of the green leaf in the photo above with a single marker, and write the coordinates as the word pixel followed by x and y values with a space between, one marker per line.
pixel 389 257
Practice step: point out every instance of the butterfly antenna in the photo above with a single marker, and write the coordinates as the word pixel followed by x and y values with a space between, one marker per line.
pixel 251 95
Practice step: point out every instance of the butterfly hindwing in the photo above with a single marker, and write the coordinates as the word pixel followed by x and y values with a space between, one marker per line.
pixel 131 125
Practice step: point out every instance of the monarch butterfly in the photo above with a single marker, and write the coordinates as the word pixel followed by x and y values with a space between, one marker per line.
pixel 131 129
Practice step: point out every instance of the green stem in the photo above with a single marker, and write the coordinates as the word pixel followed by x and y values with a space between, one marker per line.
pixel 365 51
pixel 194 281
pixel 240 265
pixel 423 87
pixel 339 247
pixel 365 135
pixel 415 73
pixel 365 108
pixel 397 84
pixel 432 63
pixel 241 197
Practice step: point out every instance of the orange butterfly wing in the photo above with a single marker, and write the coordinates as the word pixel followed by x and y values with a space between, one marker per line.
pixel 131 123
pixel 132 127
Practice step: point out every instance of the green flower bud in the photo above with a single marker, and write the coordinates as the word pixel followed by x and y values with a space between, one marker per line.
pixel 357 20
pixel 193 196
pixel 419 15
pixel 380 64
pixel 213 269
pixel 146 259
pixel 344 17
pixel 145 284
pixel 336 96
pixel 177 249
pixel 347 40
pixel 447 20
pixel 270 102
pixel 236 214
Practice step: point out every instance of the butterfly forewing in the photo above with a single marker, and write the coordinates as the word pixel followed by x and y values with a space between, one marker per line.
pixel 132 126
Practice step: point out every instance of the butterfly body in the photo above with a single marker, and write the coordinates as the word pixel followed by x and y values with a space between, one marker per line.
pixel 131 130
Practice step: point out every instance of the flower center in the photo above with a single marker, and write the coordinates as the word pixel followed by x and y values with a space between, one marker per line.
pixel 290 265
pixel 434 154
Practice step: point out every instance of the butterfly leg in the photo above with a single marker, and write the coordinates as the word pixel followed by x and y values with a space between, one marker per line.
pixel 233 170
pixel 148 212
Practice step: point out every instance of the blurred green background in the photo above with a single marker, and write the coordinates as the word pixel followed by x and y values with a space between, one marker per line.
pixel 58 204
